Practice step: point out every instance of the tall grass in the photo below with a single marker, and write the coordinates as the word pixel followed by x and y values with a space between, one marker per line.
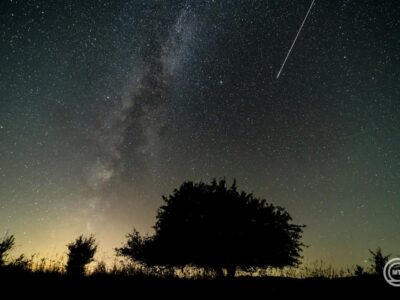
pixel 124 267
pixel 315 269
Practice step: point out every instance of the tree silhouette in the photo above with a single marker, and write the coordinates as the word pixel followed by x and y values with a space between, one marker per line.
pixel 80 253
pixel 218 227
pixel 6 244
pixel 378 261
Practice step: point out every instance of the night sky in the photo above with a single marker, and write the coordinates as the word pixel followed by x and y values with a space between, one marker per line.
pixel 107 105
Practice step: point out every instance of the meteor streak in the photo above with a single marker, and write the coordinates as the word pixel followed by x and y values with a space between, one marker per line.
pixel 295 39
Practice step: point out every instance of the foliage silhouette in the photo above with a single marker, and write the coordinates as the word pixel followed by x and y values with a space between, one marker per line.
pixel 80 253
pixel 216 226
pixel 378 261
pixel 6 244
pixel 359 271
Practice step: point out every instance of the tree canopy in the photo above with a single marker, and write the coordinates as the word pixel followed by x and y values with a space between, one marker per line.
pixel 216 226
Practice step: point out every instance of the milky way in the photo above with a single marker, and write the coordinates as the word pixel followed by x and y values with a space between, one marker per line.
pixel 140 112
pixel 107 105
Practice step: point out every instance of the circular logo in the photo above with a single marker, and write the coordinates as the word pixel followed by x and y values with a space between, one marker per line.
pixel 391 272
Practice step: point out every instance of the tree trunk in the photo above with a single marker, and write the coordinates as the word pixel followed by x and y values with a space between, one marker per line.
pixel 231 271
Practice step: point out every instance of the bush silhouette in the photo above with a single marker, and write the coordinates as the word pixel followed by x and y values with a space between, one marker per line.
pixel 218 227
pixel 6 244
pixel 378 261
pixel 359 271
pixel 80 253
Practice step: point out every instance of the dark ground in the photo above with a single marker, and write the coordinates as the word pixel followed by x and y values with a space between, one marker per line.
pixel 55 286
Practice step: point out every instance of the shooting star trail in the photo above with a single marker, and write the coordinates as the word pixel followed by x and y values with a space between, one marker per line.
pixel 295 39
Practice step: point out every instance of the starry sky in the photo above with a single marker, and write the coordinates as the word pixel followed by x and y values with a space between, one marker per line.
pixel 107 105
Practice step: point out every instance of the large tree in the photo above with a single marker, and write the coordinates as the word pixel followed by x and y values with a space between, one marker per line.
pixel 216 226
